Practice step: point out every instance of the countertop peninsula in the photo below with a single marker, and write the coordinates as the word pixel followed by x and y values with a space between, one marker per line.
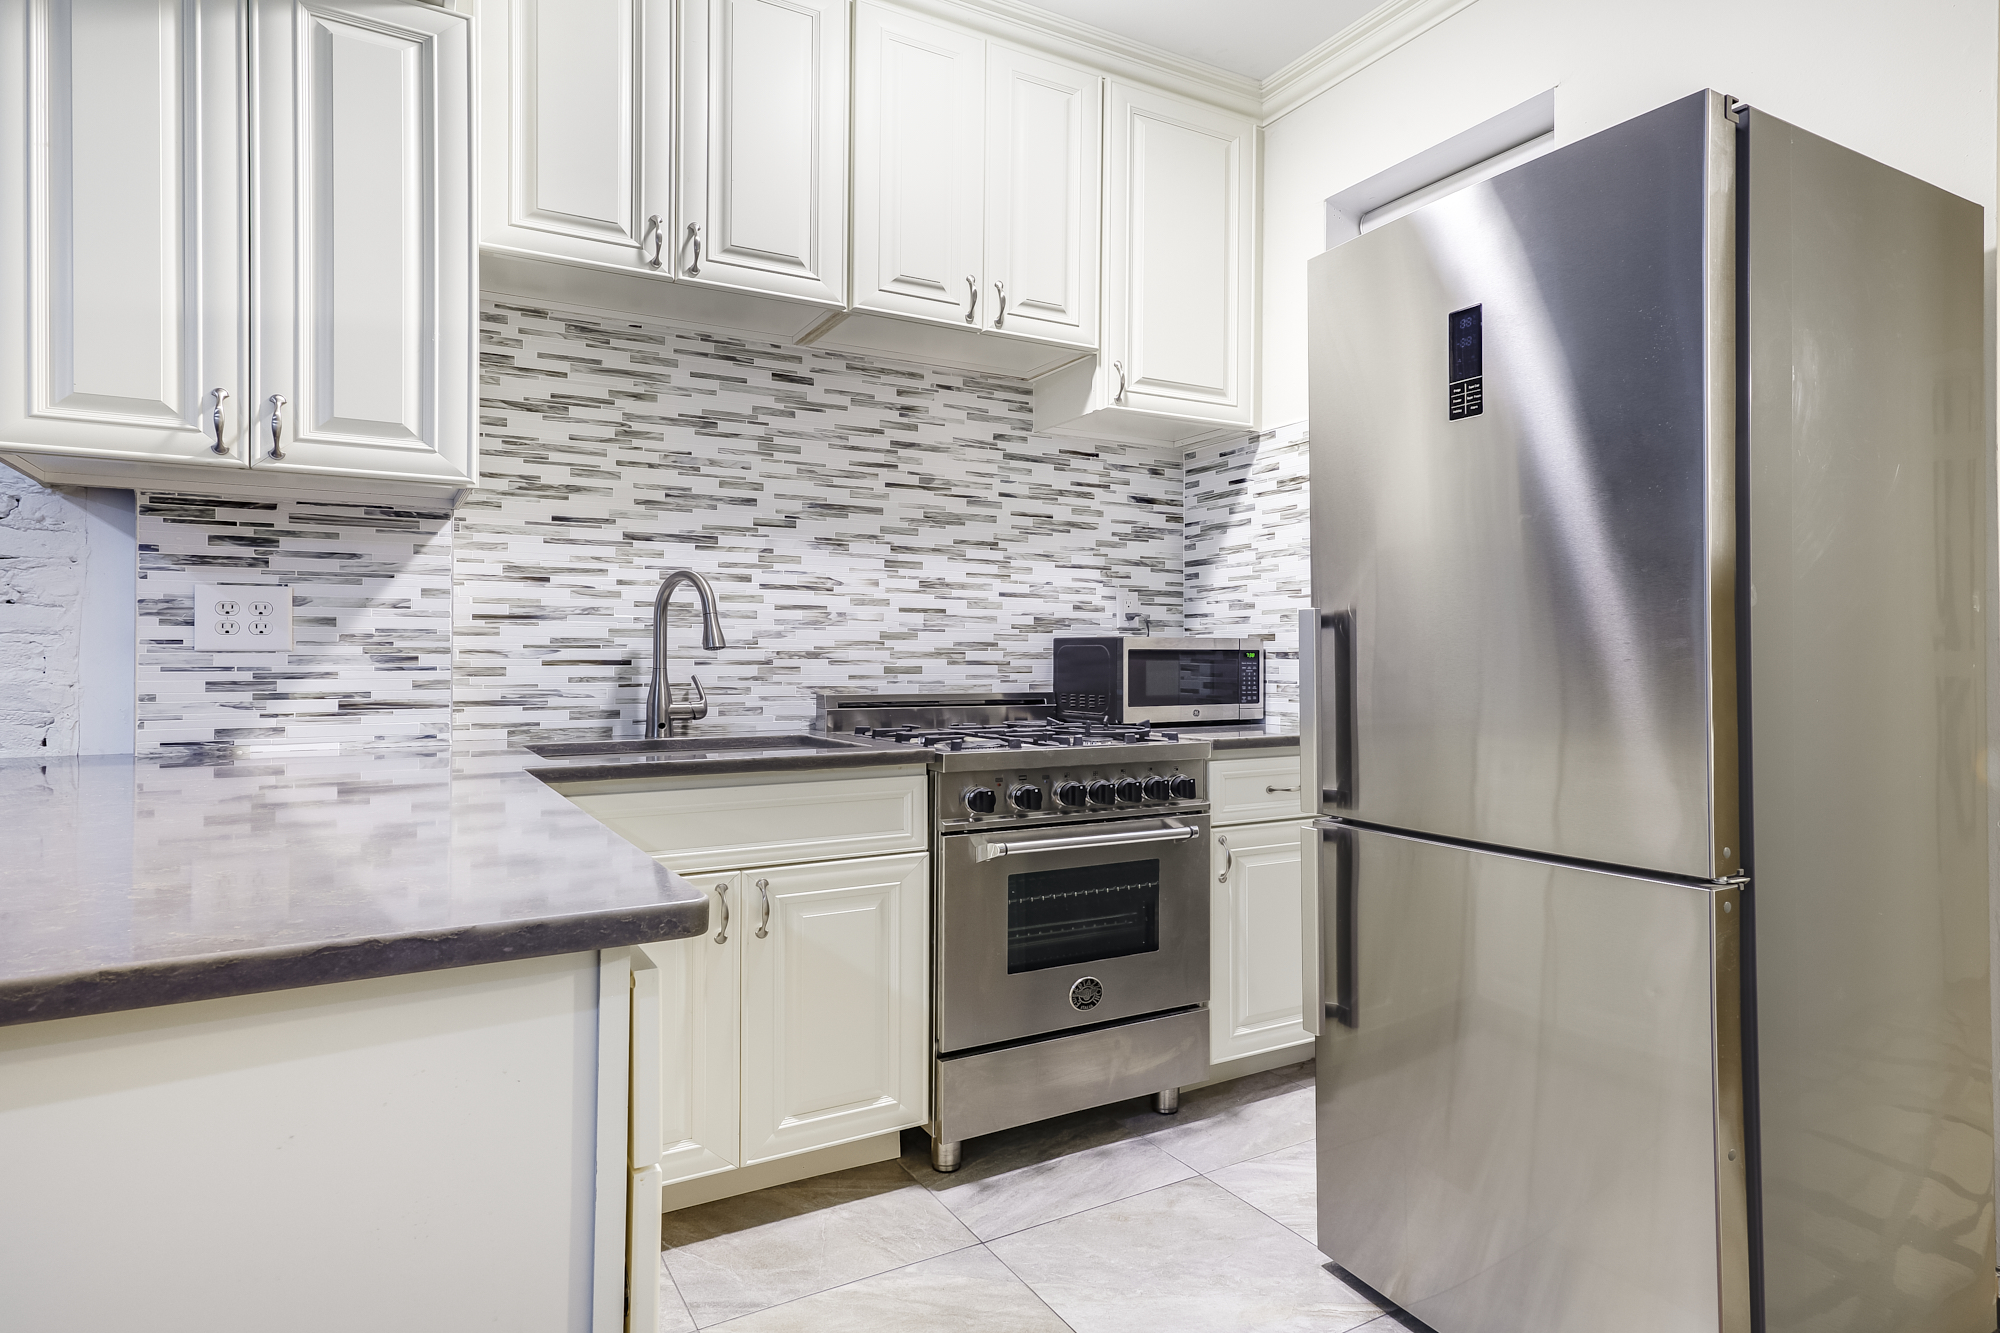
pixel 131 882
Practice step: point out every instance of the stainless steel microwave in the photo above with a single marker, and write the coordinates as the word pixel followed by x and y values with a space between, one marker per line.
pixel 1130 679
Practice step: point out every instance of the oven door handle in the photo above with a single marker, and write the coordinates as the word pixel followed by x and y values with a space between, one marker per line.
pixel 985 849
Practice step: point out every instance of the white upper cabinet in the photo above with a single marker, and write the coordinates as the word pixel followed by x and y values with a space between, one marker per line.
pixel 763 165
pixel 363 320
pixel 919 177
pixel 123 230
pixel 579 128
pixel 1044 127
pixel 1179 241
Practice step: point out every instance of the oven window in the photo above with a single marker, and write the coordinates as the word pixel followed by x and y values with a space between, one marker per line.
pixel 1059 918
pixel 1162 679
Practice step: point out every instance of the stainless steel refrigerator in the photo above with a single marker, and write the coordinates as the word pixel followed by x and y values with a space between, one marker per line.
pixel 1648 949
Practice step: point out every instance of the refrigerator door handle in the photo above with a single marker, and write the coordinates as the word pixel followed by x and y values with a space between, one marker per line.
pixel 1336 787
pixel 1309 786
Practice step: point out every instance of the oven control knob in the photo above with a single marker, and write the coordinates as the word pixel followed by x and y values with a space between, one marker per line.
pixel 981 800
pixel 1026 798
pixel 1158 789
pixel 1071 793
pixel 1183 786
pixel 1103 793
pixel 1130 791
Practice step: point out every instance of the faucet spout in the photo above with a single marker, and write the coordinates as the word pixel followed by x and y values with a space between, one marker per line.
pixel 661 710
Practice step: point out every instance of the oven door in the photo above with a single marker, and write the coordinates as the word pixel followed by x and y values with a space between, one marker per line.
pixel 1049 929
pixel 1188 683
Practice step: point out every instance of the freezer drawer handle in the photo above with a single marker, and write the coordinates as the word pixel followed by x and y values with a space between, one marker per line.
pixel 1341 1007
pixel 986 851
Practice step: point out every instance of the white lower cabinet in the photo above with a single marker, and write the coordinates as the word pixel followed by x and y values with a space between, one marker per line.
pixel 799 1021
pixel 1255 1002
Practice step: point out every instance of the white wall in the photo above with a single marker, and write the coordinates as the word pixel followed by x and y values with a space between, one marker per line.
pixel 1911 84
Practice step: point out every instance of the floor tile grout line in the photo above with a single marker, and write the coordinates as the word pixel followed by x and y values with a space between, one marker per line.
pixel 1032 1289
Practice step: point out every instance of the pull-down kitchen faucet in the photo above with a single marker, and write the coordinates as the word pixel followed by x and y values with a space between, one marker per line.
pixel 661 710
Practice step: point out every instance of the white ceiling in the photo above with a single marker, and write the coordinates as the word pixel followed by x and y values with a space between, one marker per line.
pixel 1254 38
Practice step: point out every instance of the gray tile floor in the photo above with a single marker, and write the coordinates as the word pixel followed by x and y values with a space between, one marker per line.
pixel 1101 1222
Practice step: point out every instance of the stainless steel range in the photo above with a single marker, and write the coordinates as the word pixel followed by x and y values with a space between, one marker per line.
pixel 1070 917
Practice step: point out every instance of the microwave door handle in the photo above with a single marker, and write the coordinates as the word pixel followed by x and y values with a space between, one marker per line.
pixel 984 849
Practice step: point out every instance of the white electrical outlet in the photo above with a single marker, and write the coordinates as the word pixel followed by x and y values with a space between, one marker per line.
pixel 243 617
pixel 1131 613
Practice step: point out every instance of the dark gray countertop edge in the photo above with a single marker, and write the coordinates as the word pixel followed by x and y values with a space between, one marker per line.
pixel 289 967
pixel 1218 744
pixel 583 770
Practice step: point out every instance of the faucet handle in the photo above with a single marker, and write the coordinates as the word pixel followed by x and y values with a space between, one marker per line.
pixel 688 712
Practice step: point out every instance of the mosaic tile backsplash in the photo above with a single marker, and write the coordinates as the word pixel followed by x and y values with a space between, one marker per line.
pixel 866 524
pixel 371 620
pixel 1247 564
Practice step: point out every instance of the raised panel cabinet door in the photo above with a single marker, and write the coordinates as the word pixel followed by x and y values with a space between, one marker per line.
pixel 836 1003
pixel 361 181
pixel 763 165
pixel 1044 197
pixel 919 168
pixel 1179 243
pixel 123 171
pixel 698 1034
pixel 1256 893
pixel 577 129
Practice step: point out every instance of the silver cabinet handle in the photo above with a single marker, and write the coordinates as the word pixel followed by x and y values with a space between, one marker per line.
pixel 1228 857
pixel 659 231
pixel 1000 296
pixel 764 891
pixel 278 425
pixel 1272 791
pixel 972 290
pixel 221 397
pixel 983 850
pixel 1119 366
pixel 722 896
pixel 694 235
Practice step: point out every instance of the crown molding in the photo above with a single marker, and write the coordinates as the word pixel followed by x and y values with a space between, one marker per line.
pixel 1084 43
pixel 1351 50
pixel 1340 56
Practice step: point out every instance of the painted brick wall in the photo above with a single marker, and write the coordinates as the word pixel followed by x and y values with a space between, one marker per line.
pixel 42 558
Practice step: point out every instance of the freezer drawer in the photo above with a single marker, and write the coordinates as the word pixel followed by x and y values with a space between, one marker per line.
pixel 1529 1107
pixel 1528 610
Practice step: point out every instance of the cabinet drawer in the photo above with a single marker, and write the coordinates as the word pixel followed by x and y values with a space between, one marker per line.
pixel 780 823
pixel 1245 790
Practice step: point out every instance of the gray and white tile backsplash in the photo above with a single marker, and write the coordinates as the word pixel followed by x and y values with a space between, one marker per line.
pixel 866 524
pixel 371 618
pixel 1247 556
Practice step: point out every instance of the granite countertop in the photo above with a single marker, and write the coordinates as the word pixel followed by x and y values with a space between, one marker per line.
pixel 1270 734
pixel 128 883
pixel 726 751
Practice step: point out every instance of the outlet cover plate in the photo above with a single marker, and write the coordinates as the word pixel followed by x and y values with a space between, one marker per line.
pixel 243 617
